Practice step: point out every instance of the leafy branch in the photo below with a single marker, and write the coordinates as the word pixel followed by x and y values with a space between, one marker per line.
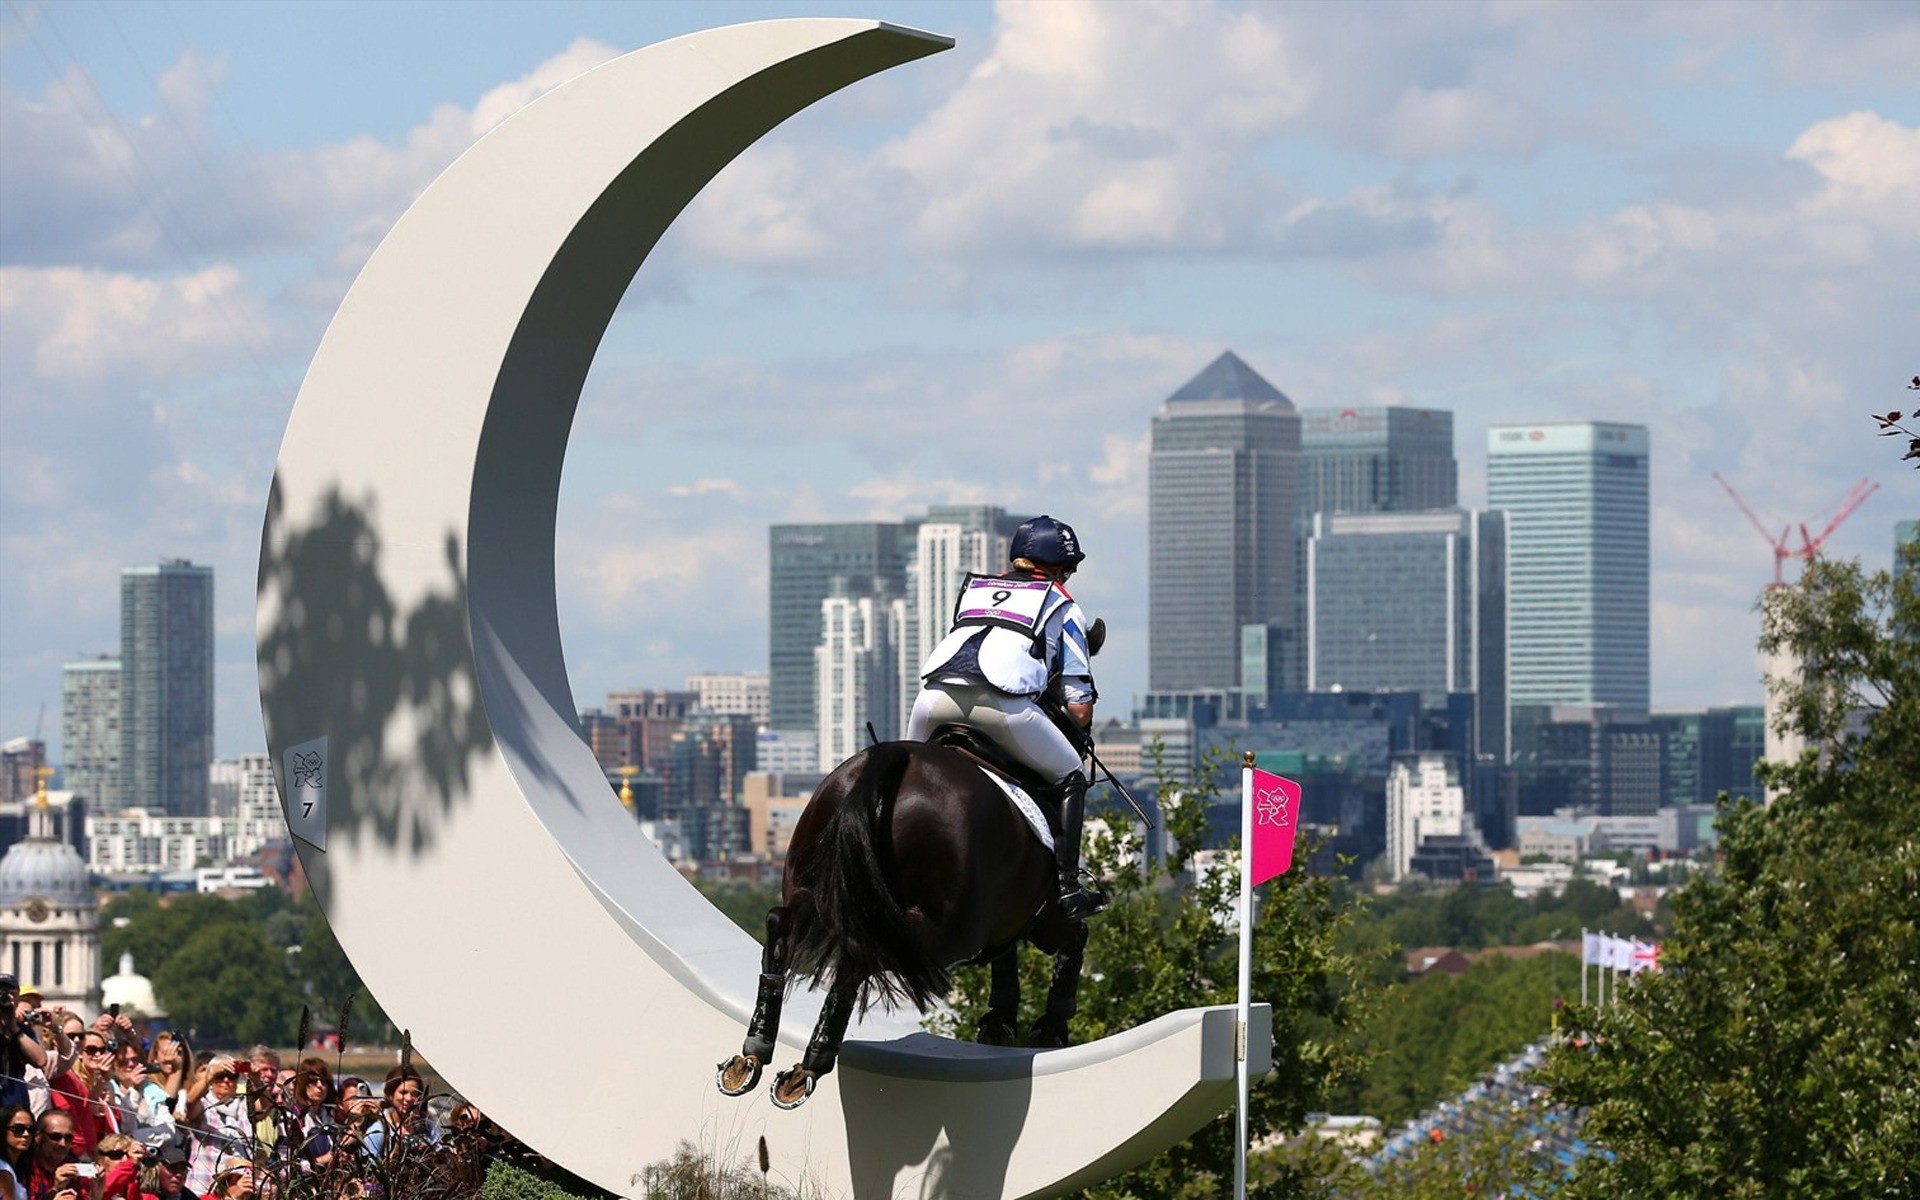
pixel 1890 426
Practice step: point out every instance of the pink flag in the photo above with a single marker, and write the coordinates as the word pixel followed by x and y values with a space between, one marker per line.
pixel 1276 814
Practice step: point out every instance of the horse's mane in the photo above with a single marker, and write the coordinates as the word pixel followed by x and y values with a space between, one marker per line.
pixel 858 928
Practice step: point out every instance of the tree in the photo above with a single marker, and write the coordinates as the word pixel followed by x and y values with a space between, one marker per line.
pixel 1432 1037
pixel 1890 426
pixel 1162 946
pixel 1776 1052
pixel 228 985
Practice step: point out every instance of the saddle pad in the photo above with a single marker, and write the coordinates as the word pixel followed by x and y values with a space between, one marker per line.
pixel 1024 804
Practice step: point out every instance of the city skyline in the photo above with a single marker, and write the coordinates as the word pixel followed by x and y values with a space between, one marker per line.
pixel 974 281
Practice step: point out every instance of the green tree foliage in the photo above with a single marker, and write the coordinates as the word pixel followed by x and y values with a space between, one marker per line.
pixel 1502 1151
pixel 1470 918
pixel 745 904
pixel 1164 945
pixel 1777 1052
pixel 170 941
pixel 228 984
pixel 1433 1037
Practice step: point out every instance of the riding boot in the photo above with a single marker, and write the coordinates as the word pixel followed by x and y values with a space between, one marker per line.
pixel 1077 900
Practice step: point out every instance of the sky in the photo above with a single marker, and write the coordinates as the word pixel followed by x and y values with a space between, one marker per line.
pixel 973 279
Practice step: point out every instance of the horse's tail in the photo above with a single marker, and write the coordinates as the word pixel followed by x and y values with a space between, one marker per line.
pixel 857 927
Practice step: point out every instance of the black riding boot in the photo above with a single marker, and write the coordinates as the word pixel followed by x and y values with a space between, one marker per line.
pixel 1076 899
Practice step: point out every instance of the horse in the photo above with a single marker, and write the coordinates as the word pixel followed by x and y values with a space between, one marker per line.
pixel 907 861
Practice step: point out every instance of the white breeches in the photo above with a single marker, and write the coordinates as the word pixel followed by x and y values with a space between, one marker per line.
pixel 1015 723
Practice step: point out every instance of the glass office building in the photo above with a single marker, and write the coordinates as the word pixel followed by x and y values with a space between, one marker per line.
pixel 166 687
pixel 1356 460
pixel 1223 480
pixel 1412 602
pixel 1578 620
pixel 806 564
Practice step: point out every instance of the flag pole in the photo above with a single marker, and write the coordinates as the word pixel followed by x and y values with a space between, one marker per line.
pixel 1245 905
pixel 1583 966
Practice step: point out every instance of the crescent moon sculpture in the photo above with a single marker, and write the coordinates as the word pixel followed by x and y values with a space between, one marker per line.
pixel 454 826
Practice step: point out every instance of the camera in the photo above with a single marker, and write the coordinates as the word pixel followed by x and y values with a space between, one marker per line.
pixel 85 1170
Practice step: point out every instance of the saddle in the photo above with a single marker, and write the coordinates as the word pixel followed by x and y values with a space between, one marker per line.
pixel 1046 929
pixel 983 750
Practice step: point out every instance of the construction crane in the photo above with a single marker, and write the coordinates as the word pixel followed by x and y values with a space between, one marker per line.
pixel 1809 543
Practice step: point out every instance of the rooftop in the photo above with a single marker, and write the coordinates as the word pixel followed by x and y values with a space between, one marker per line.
pixel 1229 378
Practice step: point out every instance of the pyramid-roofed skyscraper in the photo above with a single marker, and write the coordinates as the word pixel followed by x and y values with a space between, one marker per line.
pixel 1224 483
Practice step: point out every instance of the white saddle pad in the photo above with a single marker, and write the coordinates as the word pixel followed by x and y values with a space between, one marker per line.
pixel 1036 819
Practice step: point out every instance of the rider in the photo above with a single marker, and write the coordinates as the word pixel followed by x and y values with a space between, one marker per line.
pixel 1014 637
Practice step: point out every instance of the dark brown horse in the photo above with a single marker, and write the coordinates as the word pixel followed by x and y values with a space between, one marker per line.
pixel 907 861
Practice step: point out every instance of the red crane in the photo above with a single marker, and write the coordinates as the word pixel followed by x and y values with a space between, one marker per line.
pixel 1809 543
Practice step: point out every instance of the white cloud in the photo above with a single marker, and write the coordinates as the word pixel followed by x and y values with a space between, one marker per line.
pixel 89 325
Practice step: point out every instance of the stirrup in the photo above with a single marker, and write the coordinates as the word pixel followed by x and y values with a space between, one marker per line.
pixel 1082 901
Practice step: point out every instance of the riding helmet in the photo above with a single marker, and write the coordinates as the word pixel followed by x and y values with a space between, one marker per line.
pixel 1045 540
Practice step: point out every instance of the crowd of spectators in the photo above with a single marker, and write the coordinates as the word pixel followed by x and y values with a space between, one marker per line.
pixel 108 1110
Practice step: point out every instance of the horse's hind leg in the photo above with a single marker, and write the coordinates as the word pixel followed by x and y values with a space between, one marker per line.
pixel 792 1087
pixel 741 1073
pixel 1000 1025
pixel 1063 998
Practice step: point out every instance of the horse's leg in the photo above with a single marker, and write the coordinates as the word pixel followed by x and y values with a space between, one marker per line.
pixel 1000 1025
pixel 741 1073
pixel 1063 998
pixel 792 1087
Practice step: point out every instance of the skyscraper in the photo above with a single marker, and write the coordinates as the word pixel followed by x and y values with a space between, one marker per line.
pixel 952 541
pixel 90 730
pixel 804 563
pixel 857 668
pixel 166 686
pixel 1224 480
pixel 1578 560
pixel 1412 602
pixel 1359 460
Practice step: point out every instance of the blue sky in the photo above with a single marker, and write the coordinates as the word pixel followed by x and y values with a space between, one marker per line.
pixel 973 278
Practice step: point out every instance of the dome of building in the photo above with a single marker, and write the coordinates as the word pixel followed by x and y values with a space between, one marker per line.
pixel 49 870
pixel 133 993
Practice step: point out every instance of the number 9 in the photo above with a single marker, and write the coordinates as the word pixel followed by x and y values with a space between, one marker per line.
pixel 1002 596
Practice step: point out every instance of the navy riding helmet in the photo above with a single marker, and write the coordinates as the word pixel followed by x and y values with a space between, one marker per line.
pixel 1045 540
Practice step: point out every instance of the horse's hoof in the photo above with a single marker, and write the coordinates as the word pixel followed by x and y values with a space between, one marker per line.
pixel 996 1031
pixel 738 1075
pixel 791 1088
pixel 1048 1033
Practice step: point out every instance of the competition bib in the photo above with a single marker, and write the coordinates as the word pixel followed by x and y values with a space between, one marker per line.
pixel 1018 604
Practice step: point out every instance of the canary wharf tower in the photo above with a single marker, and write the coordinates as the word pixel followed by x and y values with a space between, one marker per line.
pixel 1224 478
pixel 1577 560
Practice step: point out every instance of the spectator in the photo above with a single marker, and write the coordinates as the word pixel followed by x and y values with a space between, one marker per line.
pixel 217 1112
pixel 263 1093
pixel 76 1090
pixel 53 1168
pixel 165 1175
pixel 170 1063
pixel 19 1049
pixel 60 1051
pixel 355 1105
pixel 306 1119
pixel 404 1123
pixel 117 1167
pixel 136 1106
pixel 16 1126
pixel 236 1182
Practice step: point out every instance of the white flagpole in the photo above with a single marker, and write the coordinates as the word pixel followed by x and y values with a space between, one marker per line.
pixel 1583 965
pixel 1245 905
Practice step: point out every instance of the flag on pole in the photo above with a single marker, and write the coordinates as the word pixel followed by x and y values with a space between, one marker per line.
pixel 1276 816
pixel 1591 953
pixel 1646 956
pixel 1619 953
pixel 1269 816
